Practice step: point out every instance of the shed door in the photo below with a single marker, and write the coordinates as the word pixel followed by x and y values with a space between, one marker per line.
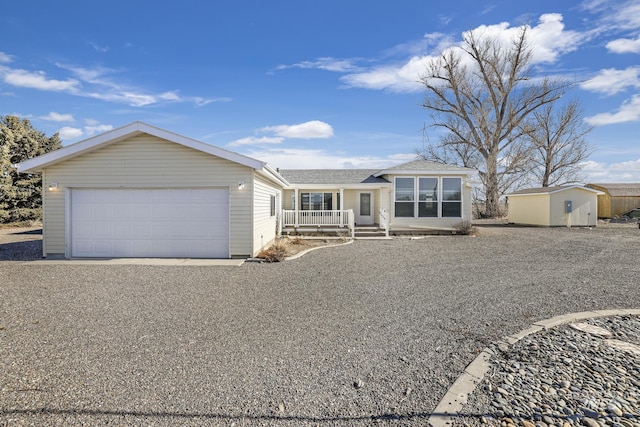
pixel 152 223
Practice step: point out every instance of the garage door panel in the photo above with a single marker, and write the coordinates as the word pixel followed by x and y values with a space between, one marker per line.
pixel 150 223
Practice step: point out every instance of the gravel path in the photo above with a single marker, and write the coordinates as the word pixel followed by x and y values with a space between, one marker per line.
pixel 369 333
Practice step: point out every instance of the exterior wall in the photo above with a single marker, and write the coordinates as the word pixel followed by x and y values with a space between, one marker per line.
pixel 530 209
pixel 584 208
pixel 549 209
pixel 433 222
pixel 264 225
pixel 610 206
pixel 623 204
pixel 350 199
pixel 148 161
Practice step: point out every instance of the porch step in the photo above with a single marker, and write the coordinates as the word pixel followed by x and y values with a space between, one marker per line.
pixel 370 232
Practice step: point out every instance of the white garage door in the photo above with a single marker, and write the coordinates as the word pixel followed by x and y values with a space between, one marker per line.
pixel 150 223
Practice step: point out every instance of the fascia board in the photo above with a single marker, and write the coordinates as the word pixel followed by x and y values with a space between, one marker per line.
pixel 39 163
pixel 363 186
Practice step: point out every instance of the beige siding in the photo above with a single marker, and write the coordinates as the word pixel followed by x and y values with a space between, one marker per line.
pixel 584 208
pixel 350 199
pixel 264 225
pixel 549 209
pixel 147 161
pixel 531 209
pixel 286 199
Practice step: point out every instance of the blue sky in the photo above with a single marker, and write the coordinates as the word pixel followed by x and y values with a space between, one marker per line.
pixel 303 84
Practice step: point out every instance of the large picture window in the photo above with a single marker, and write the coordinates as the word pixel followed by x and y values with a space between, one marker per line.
pixel 405 197
pixel 316 201
pixel 451 197
pixel 428 197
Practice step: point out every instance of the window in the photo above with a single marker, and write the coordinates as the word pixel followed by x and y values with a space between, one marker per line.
pixel 451 197
pixel 273 205
pixel 316 201
pixel 405 197
pixel 435 196
pixel 427 197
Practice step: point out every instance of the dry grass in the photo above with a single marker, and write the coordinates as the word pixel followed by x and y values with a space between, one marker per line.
pixel 286 247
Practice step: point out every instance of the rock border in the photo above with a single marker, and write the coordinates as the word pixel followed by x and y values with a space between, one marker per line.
pixel 299 254
pixel 455 398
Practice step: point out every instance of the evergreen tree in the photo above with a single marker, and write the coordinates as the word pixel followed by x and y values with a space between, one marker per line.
pixel 21 194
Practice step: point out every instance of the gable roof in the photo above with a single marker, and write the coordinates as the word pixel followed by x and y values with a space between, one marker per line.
pixel 332 176
pixel 551 190
pixel 619 190
pixel 422 165
pixel 38 164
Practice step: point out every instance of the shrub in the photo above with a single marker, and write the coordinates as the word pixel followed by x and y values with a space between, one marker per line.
pixel 274 253
pixel 464 228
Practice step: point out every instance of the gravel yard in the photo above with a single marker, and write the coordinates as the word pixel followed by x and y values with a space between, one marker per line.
pixel 368 333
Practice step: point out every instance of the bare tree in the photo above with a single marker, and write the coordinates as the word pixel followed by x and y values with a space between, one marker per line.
pixel 482 94
pixel 557 137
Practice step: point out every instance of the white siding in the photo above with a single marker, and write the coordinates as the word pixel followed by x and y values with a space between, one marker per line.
pixel 151 162
pixel 264 225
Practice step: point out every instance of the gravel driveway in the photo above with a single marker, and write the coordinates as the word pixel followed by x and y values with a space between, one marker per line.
pixel 369 333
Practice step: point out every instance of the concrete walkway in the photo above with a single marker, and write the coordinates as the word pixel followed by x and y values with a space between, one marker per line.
pixel 141 261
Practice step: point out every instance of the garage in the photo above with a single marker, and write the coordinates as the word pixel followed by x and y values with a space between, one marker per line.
pixel 143 192
pixel 149 222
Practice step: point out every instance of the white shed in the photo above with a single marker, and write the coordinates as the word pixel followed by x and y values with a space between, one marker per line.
pixel 570 206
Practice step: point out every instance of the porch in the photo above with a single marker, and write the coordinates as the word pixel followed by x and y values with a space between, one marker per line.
pixel 323 221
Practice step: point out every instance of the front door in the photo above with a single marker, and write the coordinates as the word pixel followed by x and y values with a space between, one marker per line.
pixel 364 215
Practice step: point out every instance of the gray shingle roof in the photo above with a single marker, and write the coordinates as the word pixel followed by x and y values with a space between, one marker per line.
pixel 331 176
pixel 426 165
pixel 360 176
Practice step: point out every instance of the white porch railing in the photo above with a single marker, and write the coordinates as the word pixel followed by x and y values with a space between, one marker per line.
pixel 341 218
pixel 384 221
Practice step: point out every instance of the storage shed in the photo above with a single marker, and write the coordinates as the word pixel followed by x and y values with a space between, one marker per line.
pixel 617 199
pixel 569 206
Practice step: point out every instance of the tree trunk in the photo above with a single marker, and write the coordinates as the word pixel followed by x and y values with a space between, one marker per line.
pixel 492 190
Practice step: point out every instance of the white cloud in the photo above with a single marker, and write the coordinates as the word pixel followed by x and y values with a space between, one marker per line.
pixel 98 48
pixel 91 128
pixel 320 159
pixel 70 133
pixel 627 171
pixel 611 81
pixel 309 130
pixel 57 117
pixel 37 80
pixel 628 112
pixel 97 128
pixel 4 58
pixel 624 46
pixel 254 140
pixel 96 83
pixel 325 63
pixel 548 41
pixel 314 129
